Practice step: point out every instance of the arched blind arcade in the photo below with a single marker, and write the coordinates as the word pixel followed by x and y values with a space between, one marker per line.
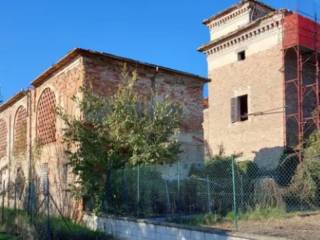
pixel 46 117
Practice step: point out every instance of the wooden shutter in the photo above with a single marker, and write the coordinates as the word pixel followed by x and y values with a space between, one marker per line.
pixel 234 110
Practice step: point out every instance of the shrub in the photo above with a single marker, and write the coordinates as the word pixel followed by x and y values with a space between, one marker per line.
pixel 267 194
pixel 249 169
pixel 219 171
pixel 192 196
pixel 123 199
pixel 20 224
pixel 305 184
pixel 287 168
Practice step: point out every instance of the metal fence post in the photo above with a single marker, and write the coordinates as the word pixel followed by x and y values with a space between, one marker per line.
pixel 47 192
pixel 138 190
pixel 208 193
pixel 235 212
pixel 126 194
pixel 242 192
pixel 2 204
pixel 168 196
pixel 15 197
pixel 179 178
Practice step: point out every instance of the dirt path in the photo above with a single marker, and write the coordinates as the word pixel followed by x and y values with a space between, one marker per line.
pixel 305 227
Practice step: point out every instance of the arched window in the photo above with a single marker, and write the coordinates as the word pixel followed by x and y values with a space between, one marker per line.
pixel 20 132
pixel 46 117
pixel 3 138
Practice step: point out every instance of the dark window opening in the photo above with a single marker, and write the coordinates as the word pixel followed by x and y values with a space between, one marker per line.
pixel 241 55
pixel 239 109
pixel 243 107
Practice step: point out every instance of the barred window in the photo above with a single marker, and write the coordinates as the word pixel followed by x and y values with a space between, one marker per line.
pixel 3 139
pixel 20 131
pixel 46 117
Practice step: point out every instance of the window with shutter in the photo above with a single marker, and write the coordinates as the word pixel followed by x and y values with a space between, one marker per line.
pixel 239 109
pixel 234 110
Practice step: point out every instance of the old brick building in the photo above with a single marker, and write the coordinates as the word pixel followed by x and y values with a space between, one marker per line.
pixel 264 93
pixel 31 132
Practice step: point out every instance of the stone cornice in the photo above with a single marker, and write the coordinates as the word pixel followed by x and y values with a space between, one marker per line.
pixel 246 33
pixel 230 10
pixel 222 21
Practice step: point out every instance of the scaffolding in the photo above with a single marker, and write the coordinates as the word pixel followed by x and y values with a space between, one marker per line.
pixel 301 44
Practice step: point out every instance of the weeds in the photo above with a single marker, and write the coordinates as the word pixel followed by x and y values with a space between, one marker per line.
pixel 211 219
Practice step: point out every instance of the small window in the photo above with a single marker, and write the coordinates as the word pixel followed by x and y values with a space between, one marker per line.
pixel 241 56
pixel 239 109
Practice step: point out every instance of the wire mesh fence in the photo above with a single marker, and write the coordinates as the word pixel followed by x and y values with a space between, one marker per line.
pixel 223 193
pixel 31 212
pixel 31 206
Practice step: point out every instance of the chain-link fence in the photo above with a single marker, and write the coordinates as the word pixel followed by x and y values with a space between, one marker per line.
pixel 31 212
pixel 224 193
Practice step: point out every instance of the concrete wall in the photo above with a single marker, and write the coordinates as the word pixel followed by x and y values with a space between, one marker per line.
pixel 129 229
pixel 261 138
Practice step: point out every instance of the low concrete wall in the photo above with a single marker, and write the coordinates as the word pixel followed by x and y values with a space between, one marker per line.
pixel 132 229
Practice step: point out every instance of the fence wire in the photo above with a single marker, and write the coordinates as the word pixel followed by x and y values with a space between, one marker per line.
pixel 225 193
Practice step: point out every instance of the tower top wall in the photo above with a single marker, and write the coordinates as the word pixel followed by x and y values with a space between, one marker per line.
pixel 235 17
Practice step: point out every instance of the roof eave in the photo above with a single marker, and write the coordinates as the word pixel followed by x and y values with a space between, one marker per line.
pixel 90 53
pixel 61 63
pixel 230 9
pixel 13 100
pixel 244 28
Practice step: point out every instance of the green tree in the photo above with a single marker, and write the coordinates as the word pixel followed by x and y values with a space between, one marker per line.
pixel 306 182
pixel 113 132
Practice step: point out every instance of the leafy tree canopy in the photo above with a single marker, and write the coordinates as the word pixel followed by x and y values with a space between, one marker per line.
pixel 118 131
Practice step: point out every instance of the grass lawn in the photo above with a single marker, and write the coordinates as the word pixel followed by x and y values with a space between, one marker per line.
pixel 4 236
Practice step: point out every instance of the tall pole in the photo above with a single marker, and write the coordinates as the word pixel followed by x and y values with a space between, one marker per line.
pixel 138 191
pixel 235 212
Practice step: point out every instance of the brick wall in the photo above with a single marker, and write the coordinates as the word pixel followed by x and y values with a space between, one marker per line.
pixel 3 138
pixel 104 76
pixel 261 138
pixel 35 129
pixel 20 132
pixel 46 117
pixel 47 129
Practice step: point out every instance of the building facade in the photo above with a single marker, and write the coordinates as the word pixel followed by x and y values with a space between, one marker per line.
pixel 31 133
pixel 256 108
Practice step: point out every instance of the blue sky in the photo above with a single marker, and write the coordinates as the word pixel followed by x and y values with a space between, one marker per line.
pixel 36 33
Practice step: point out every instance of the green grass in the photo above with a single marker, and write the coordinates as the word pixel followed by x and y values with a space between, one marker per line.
pixel 62 229
pixel 264 213
pixel 4 236
pixel 212 219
